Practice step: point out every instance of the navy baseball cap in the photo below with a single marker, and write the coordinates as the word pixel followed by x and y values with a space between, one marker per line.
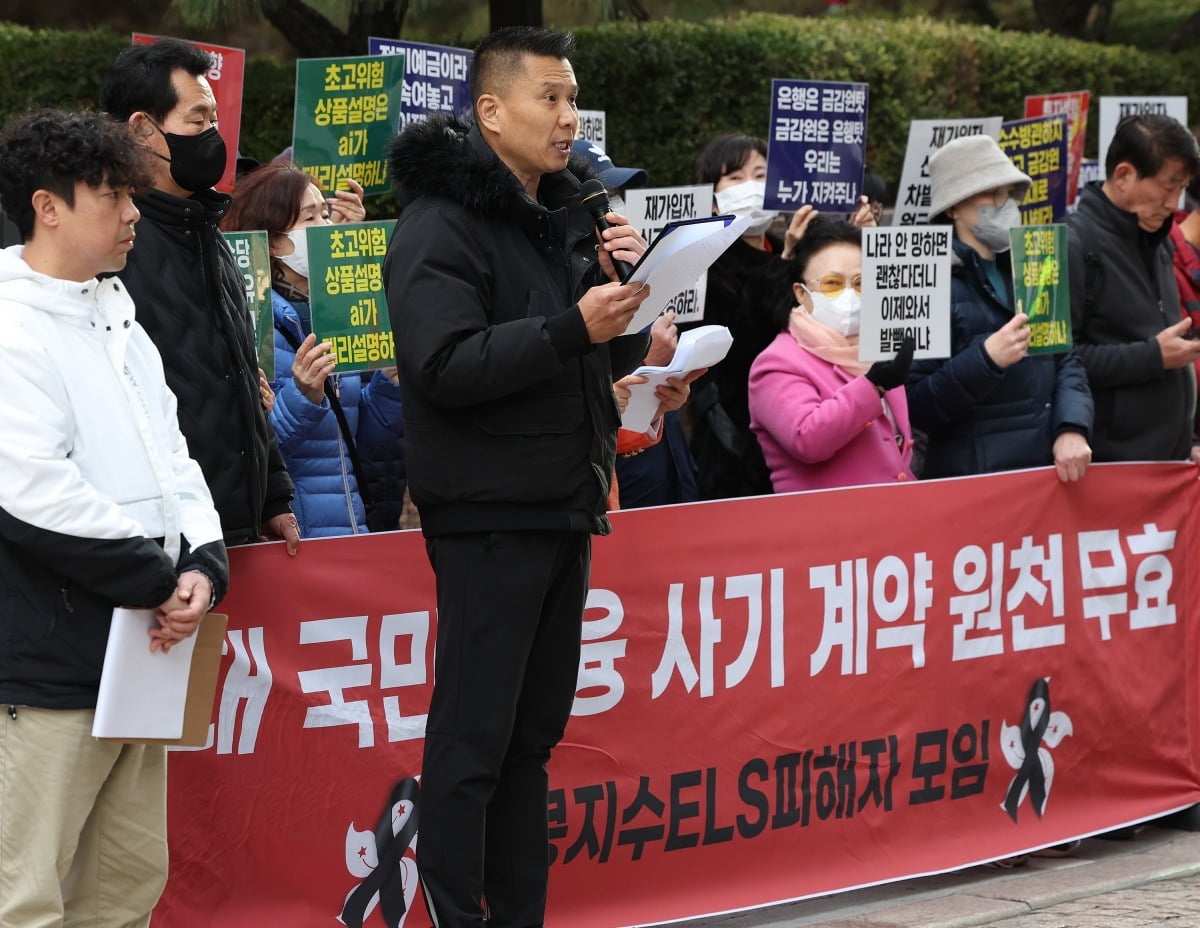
pixel 613 177
pixel 245 164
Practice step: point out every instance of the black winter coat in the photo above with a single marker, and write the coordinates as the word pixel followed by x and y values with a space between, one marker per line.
pixel 1123 293
pixel 510 419
pixel 190 299
pixel 745 284
pixel 979 418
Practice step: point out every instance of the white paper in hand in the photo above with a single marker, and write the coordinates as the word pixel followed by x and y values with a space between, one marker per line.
pixel 676 259
pixel 142 693
pixel 700 347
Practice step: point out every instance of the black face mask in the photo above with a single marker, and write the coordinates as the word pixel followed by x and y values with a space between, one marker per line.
pixel 197 161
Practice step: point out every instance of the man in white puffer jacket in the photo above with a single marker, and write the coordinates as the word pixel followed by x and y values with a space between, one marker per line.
pixel 100 505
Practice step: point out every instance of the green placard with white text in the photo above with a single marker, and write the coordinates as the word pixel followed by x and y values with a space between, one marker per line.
pixel 1041 289
pixel 252 253
pixel 345 284
pixel 347 110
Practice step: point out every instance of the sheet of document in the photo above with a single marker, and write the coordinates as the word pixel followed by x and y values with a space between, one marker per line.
pixel 677 257
pixel 142 693
pixel 700 347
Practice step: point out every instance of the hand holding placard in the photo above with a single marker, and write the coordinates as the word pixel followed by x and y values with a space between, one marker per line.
pixel 887 375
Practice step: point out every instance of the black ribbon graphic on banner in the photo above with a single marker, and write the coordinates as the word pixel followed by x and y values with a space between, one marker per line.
pixel 385 878
pixel 1030 771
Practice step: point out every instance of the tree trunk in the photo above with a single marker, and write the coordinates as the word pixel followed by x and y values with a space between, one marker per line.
pixel 1065 17
pixel 983 10
pixel 514 13
pixel 631 9
pixel 311 34
pixel 385 20
pixel 1100 20
pixel 314 36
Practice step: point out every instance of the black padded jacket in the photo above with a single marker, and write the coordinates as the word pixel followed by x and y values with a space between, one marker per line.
pixel 189 297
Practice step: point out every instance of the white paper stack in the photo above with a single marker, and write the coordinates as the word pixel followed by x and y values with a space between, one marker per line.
pixel 143 693
pixel 700 347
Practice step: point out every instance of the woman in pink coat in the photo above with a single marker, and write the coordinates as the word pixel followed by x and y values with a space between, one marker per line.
pixel 823 418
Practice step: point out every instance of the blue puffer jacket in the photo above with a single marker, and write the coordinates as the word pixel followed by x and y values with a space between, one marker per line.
pixel 978 418
pixel 327 500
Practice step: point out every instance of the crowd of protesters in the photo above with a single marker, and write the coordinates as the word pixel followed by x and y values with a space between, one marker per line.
pixel 335 442
pixel 1125 392
pixel 512 440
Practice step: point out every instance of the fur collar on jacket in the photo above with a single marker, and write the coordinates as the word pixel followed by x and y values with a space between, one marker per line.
pixel 443 157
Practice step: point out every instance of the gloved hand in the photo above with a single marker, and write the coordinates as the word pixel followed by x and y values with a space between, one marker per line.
pixel 887 375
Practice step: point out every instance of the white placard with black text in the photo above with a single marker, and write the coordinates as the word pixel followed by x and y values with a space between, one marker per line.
pixel 1114 109
pixel 906 291
pixel 651 208
pixel 593 126
pixel 925 136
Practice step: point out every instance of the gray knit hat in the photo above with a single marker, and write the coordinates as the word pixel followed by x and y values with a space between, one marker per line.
pixel 967 166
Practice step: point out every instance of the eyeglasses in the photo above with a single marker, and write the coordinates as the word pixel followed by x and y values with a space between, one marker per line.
pixel 832 284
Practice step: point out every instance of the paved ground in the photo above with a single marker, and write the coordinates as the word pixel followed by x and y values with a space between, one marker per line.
pixel 1151 880
pixel 1166 902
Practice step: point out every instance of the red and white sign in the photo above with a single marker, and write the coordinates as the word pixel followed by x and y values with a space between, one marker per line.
pixel 779 697
pixel 1075 105
pixel 226 78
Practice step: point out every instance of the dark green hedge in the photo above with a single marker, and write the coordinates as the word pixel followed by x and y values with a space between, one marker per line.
pixel 669 86
pixel 46 67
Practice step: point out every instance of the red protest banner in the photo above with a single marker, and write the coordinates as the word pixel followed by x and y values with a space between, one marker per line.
pixel 226 78
pixel 779 697
pixel 1075 106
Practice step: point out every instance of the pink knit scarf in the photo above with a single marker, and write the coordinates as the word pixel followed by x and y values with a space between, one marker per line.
pixel 825 343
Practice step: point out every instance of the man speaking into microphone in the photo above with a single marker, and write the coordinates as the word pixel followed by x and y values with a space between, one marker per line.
pixel 508 322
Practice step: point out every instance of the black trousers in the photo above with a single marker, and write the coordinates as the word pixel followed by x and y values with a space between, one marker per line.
pixel 510 608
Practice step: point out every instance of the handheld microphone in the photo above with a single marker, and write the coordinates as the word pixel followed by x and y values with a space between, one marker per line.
pixel 595 199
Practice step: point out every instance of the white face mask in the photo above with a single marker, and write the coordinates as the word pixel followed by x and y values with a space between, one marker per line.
pixel 746 199
pixel 994 223
pixel 298 259
pixel 840 313
pixel 616 204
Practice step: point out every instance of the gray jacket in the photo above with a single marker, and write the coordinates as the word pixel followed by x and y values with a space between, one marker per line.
pixel 1123 294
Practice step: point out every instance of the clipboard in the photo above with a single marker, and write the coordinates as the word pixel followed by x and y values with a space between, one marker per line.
pixel 682 252
pixel 123 690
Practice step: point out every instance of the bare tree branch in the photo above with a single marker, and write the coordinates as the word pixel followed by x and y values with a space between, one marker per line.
pixel 309 32
pixel 1186 35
